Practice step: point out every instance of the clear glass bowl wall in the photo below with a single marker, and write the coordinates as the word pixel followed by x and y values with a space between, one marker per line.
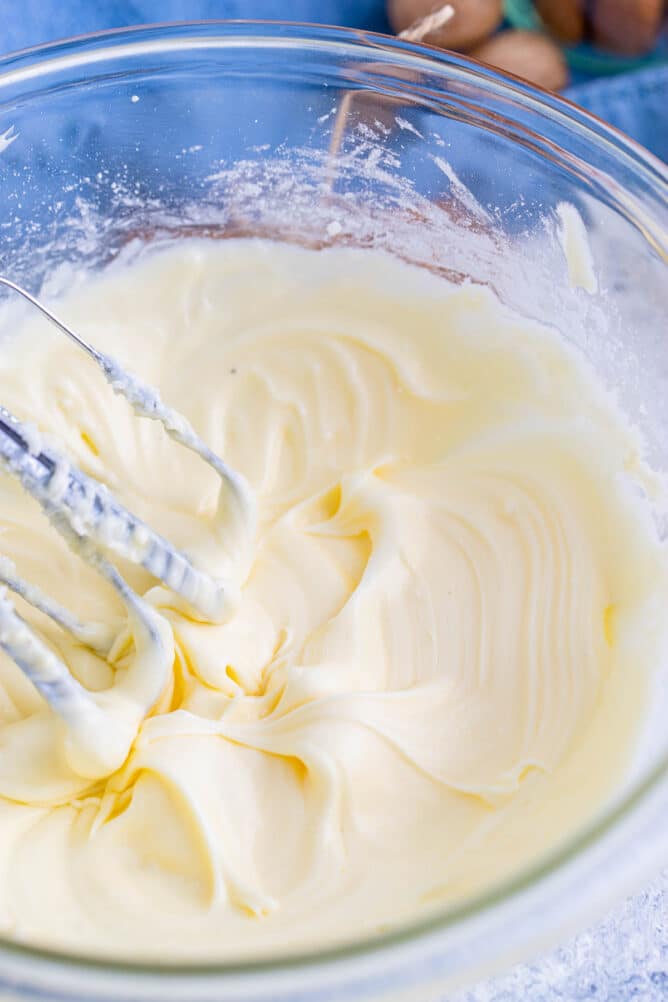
pixel 331 136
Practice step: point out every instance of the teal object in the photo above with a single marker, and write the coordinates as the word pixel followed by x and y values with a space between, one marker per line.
pixel 585 59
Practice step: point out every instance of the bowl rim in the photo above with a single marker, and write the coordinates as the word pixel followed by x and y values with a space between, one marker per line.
pixel 43 58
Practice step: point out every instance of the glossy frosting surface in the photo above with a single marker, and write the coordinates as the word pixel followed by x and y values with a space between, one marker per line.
pixel 436 665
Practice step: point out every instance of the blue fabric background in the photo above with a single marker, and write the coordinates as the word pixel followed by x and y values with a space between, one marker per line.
pixel 637 103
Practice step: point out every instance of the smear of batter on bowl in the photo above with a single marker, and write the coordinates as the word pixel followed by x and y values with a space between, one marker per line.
pixel 437 664
pixel 574 240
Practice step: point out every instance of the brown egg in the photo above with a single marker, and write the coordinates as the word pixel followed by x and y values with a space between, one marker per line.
pixel 629 27
pixel 526 54
pixel 472 22
pixel 565 19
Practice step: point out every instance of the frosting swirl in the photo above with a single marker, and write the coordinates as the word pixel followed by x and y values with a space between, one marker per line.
pixel 434 669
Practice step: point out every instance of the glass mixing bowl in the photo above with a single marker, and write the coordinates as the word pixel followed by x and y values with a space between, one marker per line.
pixel 327 136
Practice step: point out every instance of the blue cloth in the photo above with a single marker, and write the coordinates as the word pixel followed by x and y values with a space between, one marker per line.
pixel 637 103
pixel 36 21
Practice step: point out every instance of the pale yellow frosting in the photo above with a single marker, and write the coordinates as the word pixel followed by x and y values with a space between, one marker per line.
pixel 436 665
